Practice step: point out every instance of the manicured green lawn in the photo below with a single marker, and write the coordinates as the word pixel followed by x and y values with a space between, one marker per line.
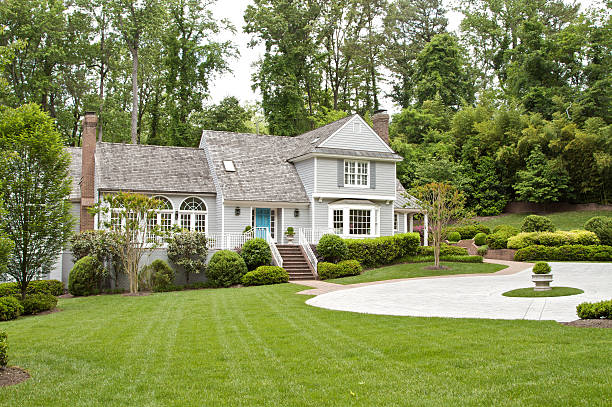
pixel 553 292
pixel 411 270
pixel 563 220
pixel 263 346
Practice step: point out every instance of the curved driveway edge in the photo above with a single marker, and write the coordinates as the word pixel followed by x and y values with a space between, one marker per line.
pixel 474 295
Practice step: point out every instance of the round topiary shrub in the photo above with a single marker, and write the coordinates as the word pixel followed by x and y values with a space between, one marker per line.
pixel 541 267
pixel 226 268
pixel 35 303
pixel 454 236
pixel 602 227
pixel 85 277
pixel 332 248
pixel 256 252
pixel 480 239
pixel 10 308
pixel 536 223
pixel 265 275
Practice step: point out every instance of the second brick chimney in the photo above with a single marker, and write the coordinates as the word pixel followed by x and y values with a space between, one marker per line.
pixel 88 161
pixel 380 119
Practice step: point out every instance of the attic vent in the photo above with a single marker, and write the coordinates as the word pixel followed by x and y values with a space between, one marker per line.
pixel 314 141
pixel 229 166
pixel 357 127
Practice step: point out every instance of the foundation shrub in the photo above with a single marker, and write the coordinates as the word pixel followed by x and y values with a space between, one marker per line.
pixel 85 277
pixel 226 268
pixel 35 303
pixel 10 308
pixel 160 276
pixel 265 275
pixel 482 250
pixel 595 310
pixel 343 269
pixel 332 248
pixel 256 252
pixel 53 287
pixel 383 250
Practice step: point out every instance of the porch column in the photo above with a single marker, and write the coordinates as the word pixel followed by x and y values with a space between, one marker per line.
pixel 411 222
pixel 405 223
pixel 426 230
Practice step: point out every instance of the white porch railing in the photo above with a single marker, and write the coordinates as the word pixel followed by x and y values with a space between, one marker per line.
pixel 276 257
pixel 314 235
pixel 305 243
pixel 232 241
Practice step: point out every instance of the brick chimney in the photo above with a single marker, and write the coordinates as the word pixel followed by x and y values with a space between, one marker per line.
pixel 380 119
pixel 88 160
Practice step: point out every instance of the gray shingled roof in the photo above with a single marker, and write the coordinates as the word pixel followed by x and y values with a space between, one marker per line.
pixel 404 200
pixel 145 168
pixel 75 172
pixel 262 171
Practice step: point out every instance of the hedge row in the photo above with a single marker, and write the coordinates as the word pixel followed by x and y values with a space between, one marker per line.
pixel 53 287
pixel 445 250
pixel 343 269
pixel 565 253
pixel 468 231
pixel 595 310
pixel 499 238
pixel 382 250
pixel 264 275
pixel 451 258
pixel 560 238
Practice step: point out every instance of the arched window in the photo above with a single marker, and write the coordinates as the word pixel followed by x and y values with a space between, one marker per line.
pixel 163 217
pixel 192 215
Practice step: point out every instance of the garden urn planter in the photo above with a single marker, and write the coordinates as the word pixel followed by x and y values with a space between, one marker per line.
pixel 542 281
pixel 289 239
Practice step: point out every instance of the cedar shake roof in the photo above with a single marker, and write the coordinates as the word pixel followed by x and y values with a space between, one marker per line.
pixel 262 170
pixel 146 168
pixel 75 172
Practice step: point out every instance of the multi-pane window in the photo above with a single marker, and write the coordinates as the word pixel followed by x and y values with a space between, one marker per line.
pixel 356 173
pixel 338 221
pixel 162 219
pixel 360 222
pixel 192 215
pixel 115 220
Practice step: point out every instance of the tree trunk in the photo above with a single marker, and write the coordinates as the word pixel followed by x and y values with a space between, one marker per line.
pixel 186 277
pixel 134 132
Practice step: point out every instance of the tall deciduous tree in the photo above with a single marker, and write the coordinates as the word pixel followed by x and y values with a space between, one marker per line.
pixel 34 168
pixel 227 115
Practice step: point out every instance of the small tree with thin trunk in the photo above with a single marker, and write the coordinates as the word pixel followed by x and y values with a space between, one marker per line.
pixel 188 250
pixel 131 217
pixel 444 204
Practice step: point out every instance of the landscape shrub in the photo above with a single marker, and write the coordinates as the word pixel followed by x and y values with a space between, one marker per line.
pixel 595 310
pixel 445 250
pixel 343 269
pixel 454 236
pixel 536 223
pixel 451 258
pixel 505 228
pixel 265 275
pixel 559 238
pixel 602 227
pixel 85 277
pixel 53 287
pixel 565 253
pixel 104 245
pixel 256 252
pixel 383 250
pixel 158 276
pixel 332 248
pixel 480 239
pixel 188 250
pixel 541 268
pixel 3 349
pixel 35 303
pixel 10 308
pixel 482 250
pixel 469 231
pixel 499 238
pixel 226 268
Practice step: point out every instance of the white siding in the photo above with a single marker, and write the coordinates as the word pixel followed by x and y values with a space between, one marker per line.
pixel 327 179
pixel 75 211
pixel 305 170
pixel 236 224
pixel 386 220
pixel 356 135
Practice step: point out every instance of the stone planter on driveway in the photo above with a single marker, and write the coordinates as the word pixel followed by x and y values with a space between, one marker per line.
pixel 542 281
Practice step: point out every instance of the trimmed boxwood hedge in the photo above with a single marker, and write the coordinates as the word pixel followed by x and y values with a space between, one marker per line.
pixel 10 308
pixel 53 287
pixel 332 248
pixel 445 250
pixel 499 238
pixel 265 275
pixel 560 238
pixel 595 310
pixel 451 258
pixel 468 231
pixel 35 303
pixel 343 269
pixel 454 237
pixel 565 253
pixel 541 267
pixel 384 250
pixel 537 223
pixel 480 239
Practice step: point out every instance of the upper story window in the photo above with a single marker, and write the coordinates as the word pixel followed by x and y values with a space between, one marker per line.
pixel 357 173
pixel 192 215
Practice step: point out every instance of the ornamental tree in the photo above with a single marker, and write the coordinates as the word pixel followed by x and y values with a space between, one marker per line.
pixel 444 204
pixel 35 184
pixel 131 217
pixel 188 250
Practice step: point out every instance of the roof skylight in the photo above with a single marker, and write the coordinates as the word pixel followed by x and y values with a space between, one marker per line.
pixel 314 141
pixel 229 166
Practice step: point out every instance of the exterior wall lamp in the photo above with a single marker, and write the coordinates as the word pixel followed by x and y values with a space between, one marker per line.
pixel 237 211
pixel 296 213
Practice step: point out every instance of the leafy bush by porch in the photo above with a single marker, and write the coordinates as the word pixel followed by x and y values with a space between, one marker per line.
pixel 85 277
pixel 565 253
pixel 595 310
pixel 332 248
pixel 343 269
pixel 53 287
pixel 256 252
pixel 226 268
pixel 265 275
pixel 382 250
pixel 10 308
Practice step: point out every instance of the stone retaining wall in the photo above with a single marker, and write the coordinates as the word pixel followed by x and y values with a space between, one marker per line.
pixel 500 254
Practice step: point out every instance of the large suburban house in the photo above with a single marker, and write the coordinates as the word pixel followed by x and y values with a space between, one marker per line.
pixel 339 178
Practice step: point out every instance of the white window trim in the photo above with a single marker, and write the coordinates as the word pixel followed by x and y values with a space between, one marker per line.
pixel 192 215
pixel 346 208
pixel 356 162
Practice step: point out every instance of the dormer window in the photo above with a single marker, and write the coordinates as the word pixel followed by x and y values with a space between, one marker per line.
pixel 229 166
pixel 357 173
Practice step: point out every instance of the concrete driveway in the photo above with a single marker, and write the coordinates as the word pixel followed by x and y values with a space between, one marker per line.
pixel 476 296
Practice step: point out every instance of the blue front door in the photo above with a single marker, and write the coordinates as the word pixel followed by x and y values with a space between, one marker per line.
pixel 262 220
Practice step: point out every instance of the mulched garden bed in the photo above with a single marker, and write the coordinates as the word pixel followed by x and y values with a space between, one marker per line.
pixel 12 375
pixel 590 323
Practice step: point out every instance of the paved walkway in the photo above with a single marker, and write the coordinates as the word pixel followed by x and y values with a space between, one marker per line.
pixel 470 296
pixel 323 287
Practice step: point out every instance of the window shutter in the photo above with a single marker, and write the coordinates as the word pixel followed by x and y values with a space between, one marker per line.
pixel 372 174
pixel 340 173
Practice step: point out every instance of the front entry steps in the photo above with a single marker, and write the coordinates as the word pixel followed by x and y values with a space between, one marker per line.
pixel 295 262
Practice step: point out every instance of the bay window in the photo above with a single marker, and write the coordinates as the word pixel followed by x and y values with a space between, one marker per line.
pixel 354 220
